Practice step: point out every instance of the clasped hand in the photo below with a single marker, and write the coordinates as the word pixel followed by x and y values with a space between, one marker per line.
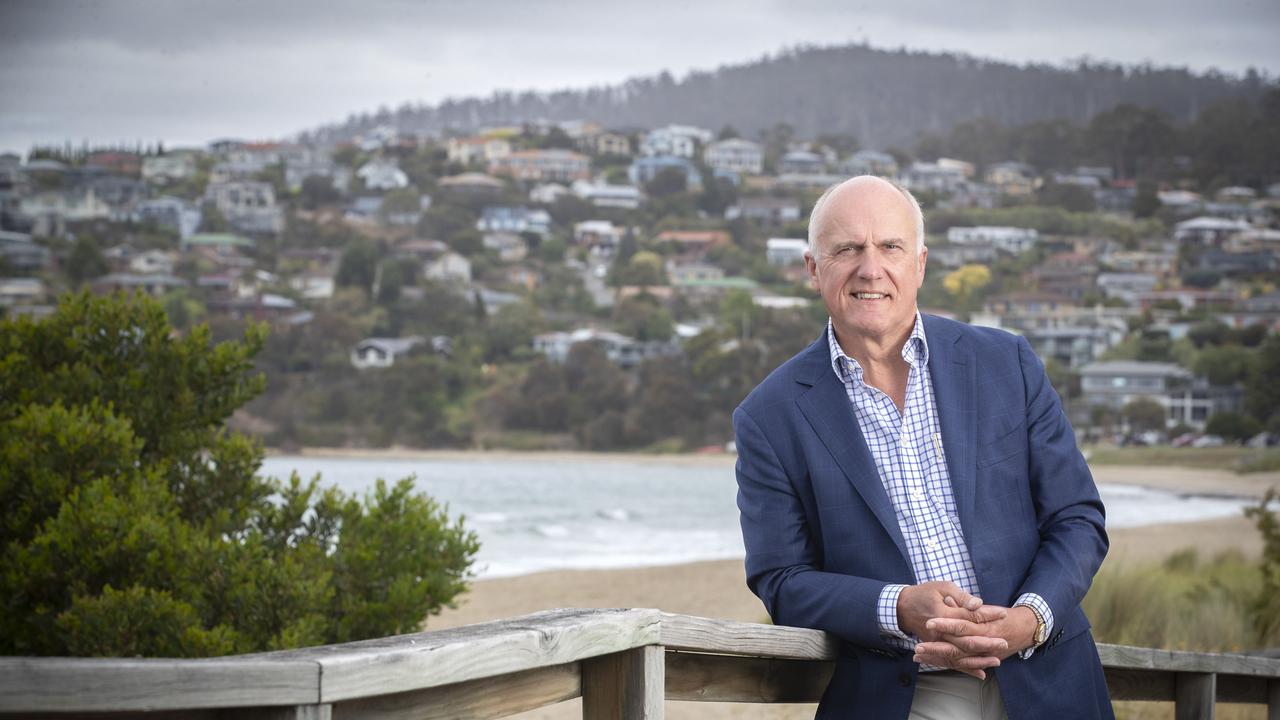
pixel 957 631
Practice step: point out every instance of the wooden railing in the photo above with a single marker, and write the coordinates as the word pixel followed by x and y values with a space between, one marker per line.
pixel 622 663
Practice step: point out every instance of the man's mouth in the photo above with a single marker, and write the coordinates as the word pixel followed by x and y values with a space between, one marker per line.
pixel 870 296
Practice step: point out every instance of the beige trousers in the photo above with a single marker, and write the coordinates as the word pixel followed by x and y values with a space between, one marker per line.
pixel 956 696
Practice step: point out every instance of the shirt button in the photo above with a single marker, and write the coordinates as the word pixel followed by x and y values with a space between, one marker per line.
pixel 933 544
pixel 917 494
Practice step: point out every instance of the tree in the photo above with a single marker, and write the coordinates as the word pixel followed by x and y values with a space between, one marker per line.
pixel 1224 364
pixel 669 181
pixel 643 318
pixel 318 190
pixel 85 261
pixel 358 266
pixel 1232 426
pixel 966 280
pixel 1261 391
pixel 1144 414
pixel 1146 202
pixel 133 523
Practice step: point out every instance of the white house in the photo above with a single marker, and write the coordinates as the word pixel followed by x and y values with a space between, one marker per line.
pixel 449 267
pixel 248 205
pixel 1005 239
pixel 382 174
pixel 786 251
pixel 152 262
pixel 600 235
pixel 735 154
pixel 627 197
pixel 674 140
pixel 382 352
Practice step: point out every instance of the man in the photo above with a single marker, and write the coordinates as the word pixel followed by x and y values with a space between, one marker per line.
pixel 911 485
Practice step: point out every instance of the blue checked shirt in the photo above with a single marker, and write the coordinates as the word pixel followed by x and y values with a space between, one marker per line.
pixel 907 449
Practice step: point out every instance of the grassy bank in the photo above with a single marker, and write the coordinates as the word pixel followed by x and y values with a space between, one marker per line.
pixel 1239 459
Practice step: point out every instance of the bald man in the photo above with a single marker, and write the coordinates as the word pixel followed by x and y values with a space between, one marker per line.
pixel 911 485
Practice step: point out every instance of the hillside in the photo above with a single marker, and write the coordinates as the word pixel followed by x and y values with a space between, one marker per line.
pixel 881 97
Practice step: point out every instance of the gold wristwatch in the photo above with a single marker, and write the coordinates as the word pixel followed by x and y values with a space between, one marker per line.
pixel 1042 629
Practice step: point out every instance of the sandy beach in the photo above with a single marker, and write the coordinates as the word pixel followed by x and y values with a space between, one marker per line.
pixel 718 588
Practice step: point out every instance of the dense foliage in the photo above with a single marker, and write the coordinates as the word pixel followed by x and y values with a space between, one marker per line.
pixel 134 524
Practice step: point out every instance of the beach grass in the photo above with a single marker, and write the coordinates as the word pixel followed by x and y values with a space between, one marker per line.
pixel 1184 603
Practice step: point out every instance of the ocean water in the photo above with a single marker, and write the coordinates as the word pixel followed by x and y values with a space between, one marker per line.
pixel 533 515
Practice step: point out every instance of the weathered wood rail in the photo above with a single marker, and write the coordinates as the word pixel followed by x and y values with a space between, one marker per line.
pixel 622 663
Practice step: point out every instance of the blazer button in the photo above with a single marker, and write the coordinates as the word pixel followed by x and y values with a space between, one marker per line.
pixel 904 679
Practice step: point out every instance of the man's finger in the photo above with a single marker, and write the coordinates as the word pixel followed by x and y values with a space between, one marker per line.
pixel 979 645
pixel 987 613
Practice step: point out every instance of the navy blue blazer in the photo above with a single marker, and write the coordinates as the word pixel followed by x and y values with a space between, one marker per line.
pixel 822 539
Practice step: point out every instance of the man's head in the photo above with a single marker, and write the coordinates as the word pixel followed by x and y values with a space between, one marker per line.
pixel 867 257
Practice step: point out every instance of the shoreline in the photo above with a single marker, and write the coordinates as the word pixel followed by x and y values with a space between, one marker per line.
pixel 1182 480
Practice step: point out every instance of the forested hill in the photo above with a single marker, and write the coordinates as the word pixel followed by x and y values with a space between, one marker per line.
pixel 881 97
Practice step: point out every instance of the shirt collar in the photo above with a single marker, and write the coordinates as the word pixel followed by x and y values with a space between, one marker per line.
pixel 915 351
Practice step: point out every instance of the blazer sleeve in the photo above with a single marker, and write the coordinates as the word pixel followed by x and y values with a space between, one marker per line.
pixel 783 561
pixel 1069 512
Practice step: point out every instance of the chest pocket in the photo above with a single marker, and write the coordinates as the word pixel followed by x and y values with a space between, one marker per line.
pixel 1008 442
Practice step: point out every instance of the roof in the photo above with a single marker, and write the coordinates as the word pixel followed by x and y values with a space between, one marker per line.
pixel 1135 367
pixel 471 178
pixel 724 283
pixel 218 239
pixel 1211 223
pixel 392 346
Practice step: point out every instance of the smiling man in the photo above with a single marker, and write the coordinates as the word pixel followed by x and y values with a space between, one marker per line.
pixel 911 485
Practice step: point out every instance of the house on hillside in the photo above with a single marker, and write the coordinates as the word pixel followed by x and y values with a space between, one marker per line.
pixel 478 149
pixel 601 236
pixel 543 165
pixel 802 162
pixel 605 195
pixel 694 242
pixel 382 174
pixel 786 251
pixel 515 220
pixel 472 183
pixel 766 210
pixel 679 141
pixel 1014 241
pixel 382 352
pixel 735 154
pixel 170 212
pixel 449 267
pixel 248 205
pixel 644 169
pixel 869 162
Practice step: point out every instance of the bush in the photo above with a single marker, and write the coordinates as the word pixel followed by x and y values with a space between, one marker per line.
pixel 134 524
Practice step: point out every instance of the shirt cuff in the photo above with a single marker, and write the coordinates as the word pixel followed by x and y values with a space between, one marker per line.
pixel 1037 603
pixel 887 611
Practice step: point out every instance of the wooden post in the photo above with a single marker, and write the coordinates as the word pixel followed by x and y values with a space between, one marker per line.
pixel 629 685
pixel 1194 695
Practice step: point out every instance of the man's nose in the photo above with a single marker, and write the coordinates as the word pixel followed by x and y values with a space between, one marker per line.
pixel 870 268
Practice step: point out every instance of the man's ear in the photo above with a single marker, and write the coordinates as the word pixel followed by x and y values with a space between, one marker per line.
pixel 811 266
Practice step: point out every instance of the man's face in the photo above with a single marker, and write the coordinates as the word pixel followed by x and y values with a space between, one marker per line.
pixel 864 261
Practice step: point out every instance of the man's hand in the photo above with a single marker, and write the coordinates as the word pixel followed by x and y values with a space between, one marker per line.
pixel 920 607
pixel 1015 631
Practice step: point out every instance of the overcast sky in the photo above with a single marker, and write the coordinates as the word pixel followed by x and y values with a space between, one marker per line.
pixel 187 72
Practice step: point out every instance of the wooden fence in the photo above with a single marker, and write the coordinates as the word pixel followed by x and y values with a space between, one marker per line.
pixel 622 663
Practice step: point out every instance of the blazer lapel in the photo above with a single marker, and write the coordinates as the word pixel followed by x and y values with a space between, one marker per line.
pixel 954 375
pixel 826 406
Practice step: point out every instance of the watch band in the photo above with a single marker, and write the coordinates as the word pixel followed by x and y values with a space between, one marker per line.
pixel 1042 628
